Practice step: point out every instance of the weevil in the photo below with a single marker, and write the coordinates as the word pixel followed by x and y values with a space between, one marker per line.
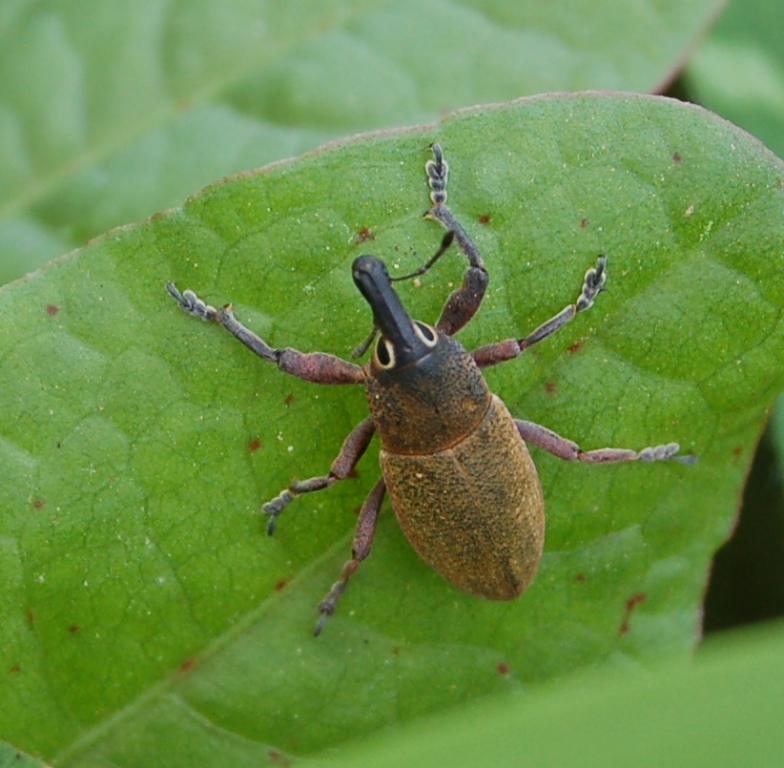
pixel 453 459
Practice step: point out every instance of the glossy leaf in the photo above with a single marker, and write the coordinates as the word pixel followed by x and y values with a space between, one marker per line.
pixel 146 617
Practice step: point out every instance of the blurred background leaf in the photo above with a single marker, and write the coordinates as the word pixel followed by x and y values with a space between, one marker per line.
pixel 722 711
pixel 111 110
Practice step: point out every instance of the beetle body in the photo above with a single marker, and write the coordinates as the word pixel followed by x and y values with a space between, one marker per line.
pixel 478 521
pixel 454 460
pixel 460 478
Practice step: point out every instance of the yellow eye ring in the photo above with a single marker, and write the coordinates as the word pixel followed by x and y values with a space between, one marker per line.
pixel 384 354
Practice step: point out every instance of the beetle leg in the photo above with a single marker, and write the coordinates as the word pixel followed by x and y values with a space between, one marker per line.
pixel 464 302
pixel 593 285
pixel 570 451
pixel 360 549
pixel 354 447
pixel 317 367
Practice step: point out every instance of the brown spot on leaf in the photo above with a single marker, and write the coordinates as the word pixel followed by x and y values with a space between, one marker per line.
pixel 635 600
pixel 289 398
pixel 282 584
pixel 583 223
pixel 15 668
pixel 254 445
pixel 484 218
pixel 364 234
pixel 676 158
pixel 503 668
pixel 631 604
pixel 74 628
pixel 52 309
pixel 580 577
pixel 576 347
pixel 187 666
pixel 550 387
pixel 38 503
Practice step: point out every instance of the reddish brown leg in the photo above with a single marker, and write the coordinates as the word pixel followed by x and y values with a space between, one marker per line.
pixel 569 450
pixel 354 446
pixel 360 549
pixel 593 285
pixel 317 367
pixel 463 303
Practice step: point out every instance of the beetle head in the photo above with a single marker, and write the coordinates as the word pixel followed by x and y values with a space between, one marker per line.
pixel 403 341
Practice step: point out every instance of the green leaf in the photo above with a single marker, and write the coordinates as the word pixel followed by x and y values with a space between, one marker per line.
pixel 113 109
pixel 13 758
pixel 723 711
pixel 739 69
pixel 146 615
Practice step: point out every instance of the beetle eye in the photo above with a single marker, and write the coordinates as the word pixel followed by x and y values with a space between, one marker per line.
pixel 384 356
pixel 426 334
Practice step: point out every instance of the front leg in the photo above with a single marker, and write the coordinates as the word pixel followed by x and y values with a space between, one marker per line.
pixel 593 285
pixel 317 367
pixel 570 451
pixel 463 303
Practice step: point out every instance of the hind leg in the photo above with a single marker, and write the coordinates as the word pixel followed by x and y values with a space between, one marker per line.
pixel 570 451
pixel 360 549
